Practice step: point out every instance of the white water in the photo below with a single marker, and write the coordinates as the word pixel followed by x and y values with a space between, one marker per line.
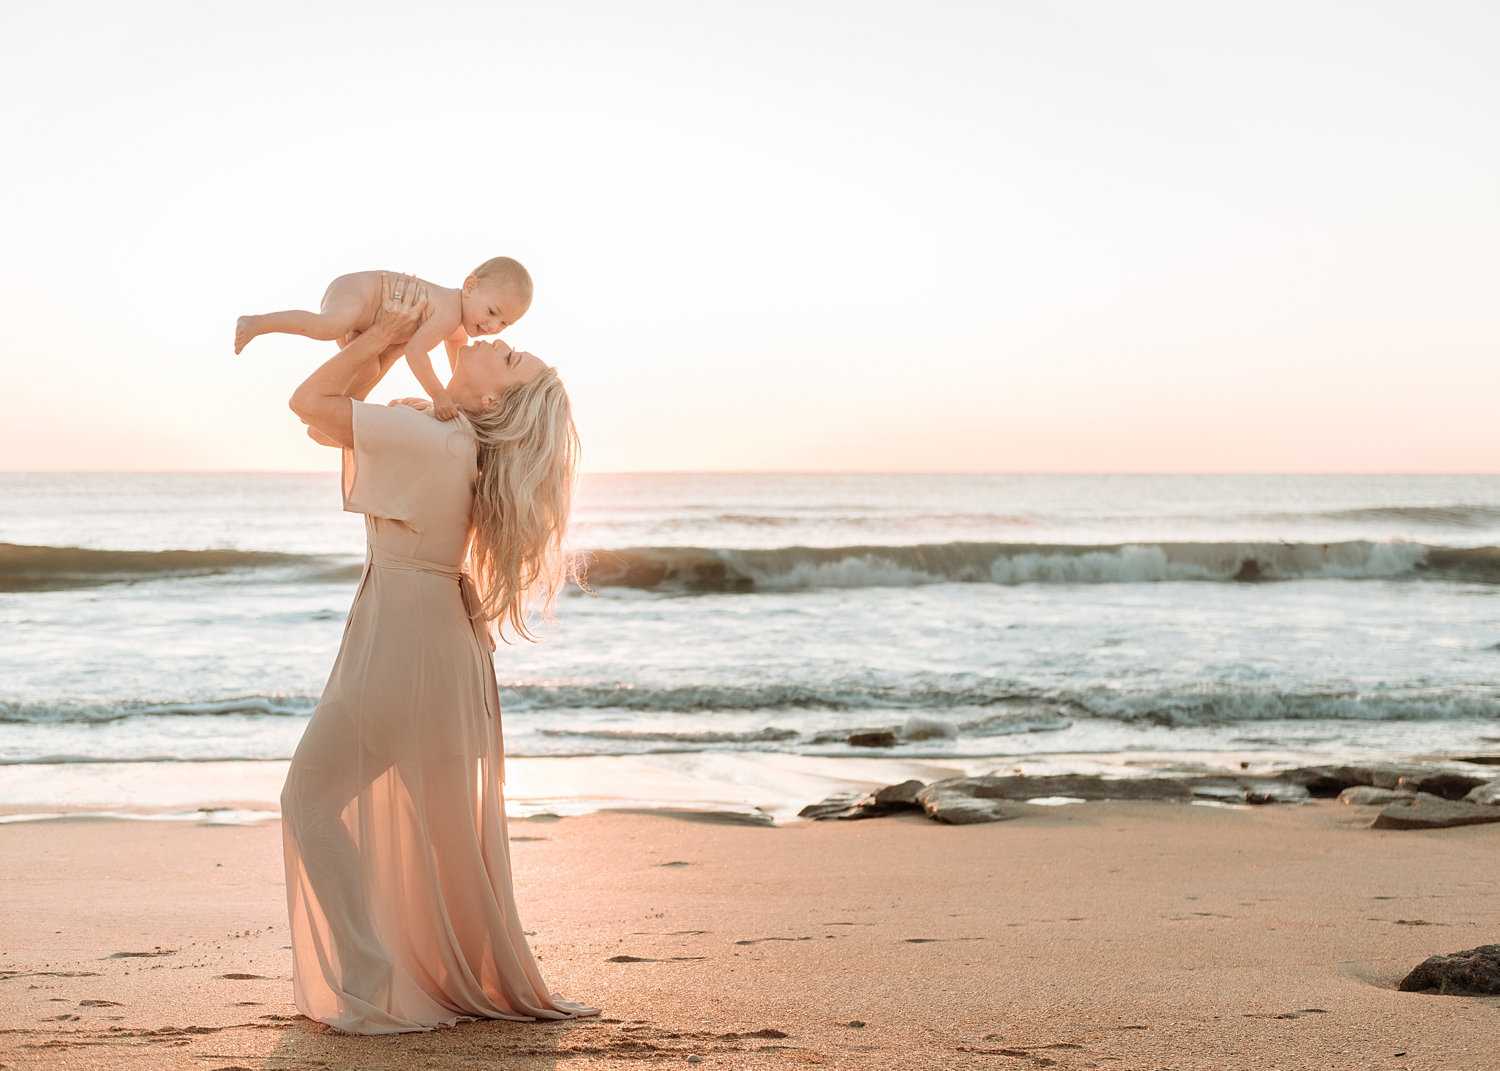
pixel 1057 657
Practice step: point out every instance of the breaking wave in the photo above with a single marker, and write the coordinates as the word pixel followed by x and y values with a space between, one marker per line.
pixel 707 569
pixel 689 569
pixel 42 568
pixel 272 705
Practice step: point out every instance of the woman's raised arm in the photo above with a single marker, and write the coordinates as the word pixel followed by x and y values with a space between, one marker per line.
pixel 323 400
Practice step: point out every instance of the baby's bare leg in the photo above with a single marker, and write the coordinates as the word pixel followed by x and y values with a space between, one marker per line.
pixel 344 312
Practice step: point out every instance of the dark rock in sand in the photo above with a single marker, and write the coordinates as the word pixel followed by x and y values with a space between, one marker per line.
pixel 1329 781
pixel 1237 788
pixel 902 795
pixel 1078 786
pixel 995 798
pixel 1472 973
pixel 1487 793
pixel 1228 788
pixel 1451 786
pixel 832 807
pixel 888 800
pixel 1433 812
pixel 1370 796
pixel 958 808
pixel 883 738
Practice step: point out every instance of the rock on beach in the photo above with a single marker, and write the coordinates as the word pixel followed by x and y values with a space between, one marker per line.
pixel 1328 781
pixel 1370 796
pixel 1423 811
pixel 1414 795
pixel 1474 972
pixel 1487 794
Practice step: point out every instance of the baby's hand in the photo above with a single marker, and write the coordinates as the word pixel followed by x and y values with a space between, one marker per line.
pixel 443 407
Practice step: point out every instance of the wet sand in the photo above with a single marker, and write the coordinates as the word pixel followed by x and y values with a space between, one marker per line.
pixel 1118 935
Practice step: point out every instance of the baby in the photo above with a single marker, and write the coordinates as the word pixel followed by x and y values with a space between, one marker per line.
pixel 496 295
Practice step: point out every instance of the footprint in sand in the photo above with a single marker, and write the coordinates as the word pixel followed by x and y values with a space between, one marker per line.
pixel 758 940
pixel 239 977
pixel 138 955
pixel 100 1004
pixel 1286 1015
pixel 675 862
pixel 939 940
pixel 647 959
pixel 513 840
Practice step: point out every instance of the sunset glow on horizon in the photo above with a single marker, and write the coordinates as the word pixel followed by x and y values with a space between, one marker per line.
pixel 961 237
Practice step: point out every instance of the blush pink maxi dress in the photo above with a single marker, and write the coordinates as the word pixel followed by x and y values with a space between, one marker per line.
pixel 397 860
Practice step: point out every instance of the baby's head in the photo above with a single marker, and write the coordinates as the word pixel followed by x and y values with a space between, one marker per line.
pixel 495 295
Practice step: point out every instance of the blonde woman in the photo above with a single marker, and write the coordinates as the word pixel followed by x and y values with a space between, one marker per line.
pixel 397 860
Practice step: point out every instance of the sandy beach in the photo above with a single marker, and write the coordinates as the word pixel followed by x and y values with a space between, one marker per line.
pixel 1106 935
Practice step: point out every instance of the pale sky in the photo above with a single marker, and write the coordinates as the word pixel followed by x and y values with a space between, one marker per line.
pixel 926 236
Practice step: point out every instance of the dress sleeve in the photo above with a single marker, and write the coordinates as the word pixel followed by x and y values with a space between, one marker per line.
pixel 397 452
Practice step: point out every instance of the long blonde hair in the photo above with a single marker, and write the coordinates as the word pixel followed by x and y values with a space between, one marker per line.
pixel 528 460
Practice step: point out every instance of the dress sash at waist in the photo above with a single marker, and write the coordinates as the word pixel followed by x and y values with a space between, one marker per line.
pixel 473 606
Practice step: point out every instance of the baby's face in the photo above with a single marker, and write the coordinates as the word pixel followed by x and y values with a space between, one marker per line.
pixel 489 309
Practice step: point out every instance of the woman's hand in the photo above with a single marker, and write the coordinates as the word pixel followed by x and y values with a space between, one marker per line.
pixel 322 401
pixel 403 307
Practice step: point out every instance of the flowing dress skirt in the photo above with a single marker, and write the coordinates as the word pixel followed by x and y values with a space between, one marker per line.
pixel 397 857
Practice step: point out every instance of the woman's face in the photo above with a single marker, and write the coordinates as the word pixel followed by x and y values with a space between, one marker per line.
pixel 483 371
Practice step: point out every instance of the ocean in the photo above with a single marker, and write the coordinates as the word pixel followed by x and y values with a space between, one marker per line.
pixel 165 636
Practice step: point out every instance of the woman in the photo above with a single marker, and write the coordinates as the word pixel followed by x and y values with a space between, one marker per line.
pixel 397 860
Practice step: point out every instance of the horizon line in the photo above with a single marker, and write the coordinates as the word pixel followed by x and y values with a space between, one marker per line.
pixel 794 472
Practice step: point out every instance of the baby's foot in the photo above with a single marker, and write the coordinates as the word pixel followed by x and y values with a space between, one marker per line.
pixel 244 331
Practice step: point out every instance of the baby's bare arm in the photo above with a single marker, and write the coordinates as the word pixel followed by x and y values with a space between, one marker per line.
pixel 434 330
pixel 454 342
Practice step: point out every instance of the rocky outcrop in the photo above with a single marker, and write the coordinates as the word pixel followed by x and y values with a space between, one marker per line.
pixel 844 806
pixel 879 738
pixel 899 796
pixel 1370 796
pixel 1444 783
pixel 888 800
pixel 953 805
pixel 1433 812
pixel 993 798
pixel 1487 793
pixel 1076 786
pixel 1472 973
pixel 1448 781
pixel 1414 795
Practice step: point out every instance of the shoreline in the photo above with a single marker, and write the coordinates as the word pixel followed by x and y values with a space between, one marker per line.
pixel 1103 935
pixel 774 787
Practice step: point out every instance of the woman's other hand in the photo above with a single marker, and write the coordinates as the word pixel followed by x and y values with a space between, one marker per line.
pixel 403 307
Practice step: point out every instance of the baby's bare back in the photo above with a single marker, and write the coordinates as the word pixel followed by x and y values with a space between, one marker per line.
pixel 354 299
